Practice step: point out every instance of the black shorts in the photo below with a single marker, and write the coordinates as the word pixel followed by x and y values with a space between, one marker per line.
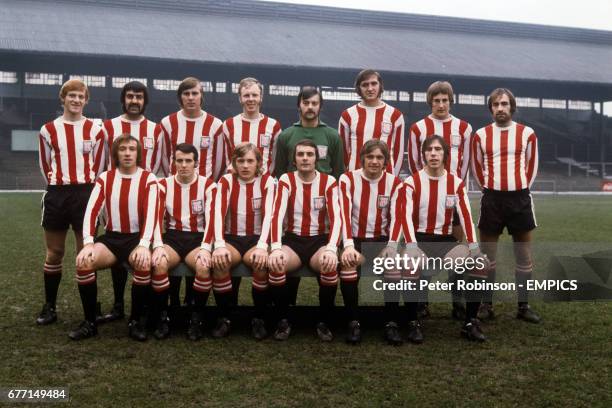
pixel 242 243
pixel 511 209
pixel 64 206
pixel 359 241
pixel 121 245
pixel 183 242
pixel 305 247
pixel 435 246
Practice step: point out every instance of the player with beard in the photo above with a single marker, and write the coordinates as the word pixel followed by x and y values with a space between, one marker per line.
pixel 505 164
pixel 134 99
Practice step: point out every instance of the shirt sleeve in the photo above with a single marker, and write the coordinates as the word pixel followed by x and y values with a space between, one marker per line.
pixel 531 159
pixel 395 213
pixel 209 216
pixel 408 223
pixel 99 152
pixel 467 153
pixel 344 130
pixel 95 204
pixel 268 193
pixel 333 212
pixel 151 207
pixel 465 214
pixel 398 145
pixel 158 150
pixel 477 161
pixel 414 149
pixel 280 208
pixel 221 204
pixel 44 156
pixel 161 212
pixel 346 209
pixel 273 146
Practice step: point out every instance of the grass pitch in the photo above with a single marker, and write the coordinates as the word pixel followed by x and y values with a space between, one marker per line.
pixel 566 361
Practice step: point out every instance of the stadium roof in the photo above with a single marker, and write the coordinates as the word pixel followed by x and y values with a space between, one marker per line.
pixel 288 35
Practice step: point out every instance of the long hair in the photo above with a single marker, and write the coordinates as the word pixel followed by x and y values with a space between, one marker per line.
pixel 125 138
pixel 242 149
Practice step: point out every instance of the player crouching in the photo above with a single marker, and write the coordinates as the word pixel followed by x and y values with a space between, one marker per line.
pixel 371 205
pixel 432 196
pixel 309 200
pixel 128 197
pixel 186 212
pixel 243 211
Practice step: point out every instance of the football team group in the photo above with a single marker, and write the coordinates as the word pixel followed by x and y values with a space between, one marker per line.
pixel 209 194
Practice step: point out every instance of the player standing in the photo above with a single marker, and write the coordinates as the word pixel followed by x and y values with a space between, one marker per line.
pixel 371 119
pixel 128 197
pixel 326 139
pixel 308 201
pixel 251 125
pixel 505 164
pixel 70 156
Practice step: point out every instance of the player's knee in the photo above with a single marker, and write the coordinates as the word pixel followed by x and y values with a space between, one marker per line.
pixel 161 268
pixel 54 255
pixel 219 273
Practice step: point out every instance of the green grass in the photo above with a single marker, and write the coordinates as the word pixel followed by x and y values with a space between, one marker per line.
pixel 566 361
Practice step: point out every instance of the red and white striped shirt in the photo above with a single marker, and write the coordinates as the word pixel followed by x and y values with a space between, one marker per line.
pixel 457 134
pixel 186 207
pixel 360 123
pixel 505 159
pixel 370 208
pixel 144 130
pixel 244 208
pixel 262 132
pixel 70 152
pixel 430 203
pixel 205 133
pixel 128 202
pixel 311 208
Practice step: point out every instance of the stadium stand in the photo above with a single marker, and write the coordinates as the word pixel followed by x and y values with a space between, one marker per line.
pixel 292 45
